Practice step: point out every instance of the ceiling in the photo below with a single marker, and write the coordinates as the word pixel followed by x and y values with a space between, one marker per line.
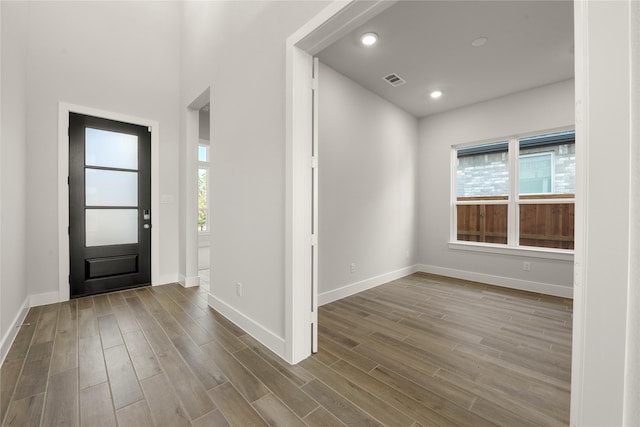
pixel 428 44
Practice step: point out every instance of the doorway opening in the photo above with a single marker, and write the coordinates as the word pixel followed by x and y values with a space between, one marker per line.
pixel 204 199
pixel 196 219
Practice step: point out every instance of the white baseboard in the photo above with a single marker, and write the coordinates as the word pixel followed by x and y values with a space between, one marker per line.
pixel 189 282
pixel 253 328
pixel 506 282
pixel 36 300
pixel 11 333
pixel 363 285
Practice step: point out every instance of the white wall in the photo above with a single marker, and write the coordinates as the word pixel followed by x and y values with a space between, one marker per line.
pixel 238 49
pixel 605 381
pixel 13 268
pixel 115 56
pixel 530 111
pixel 367 187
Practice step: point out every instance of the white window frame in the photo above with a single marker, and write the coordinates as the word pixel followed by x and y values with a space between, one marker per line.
pixel 207 166
pixel 513 205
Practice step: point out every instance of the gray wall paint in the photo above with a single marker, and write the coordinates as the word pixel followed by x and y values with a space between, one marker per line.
pixel 238 49
pixel 367 183
pixel 13 268
pixel 203 124
pixel 76 55
pixel 535 110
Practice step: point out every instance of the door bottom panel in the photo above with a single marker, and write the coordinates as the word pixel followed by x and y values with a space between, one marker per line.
pixel 111 266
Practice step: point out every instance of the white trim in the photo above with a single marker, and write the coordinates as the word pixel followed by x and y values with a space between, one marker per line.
pixel 505 282
pixel 513 212
pixel 190 186
pixel 12 331
pixel 522 251
pixel 363 285
pixel 63 194
pixel 631 406
pixel 314 213
pixel 272 341
pixel 337 19
pixel 298 207
pixel 188 282
pixel 581 43
pixel 36 300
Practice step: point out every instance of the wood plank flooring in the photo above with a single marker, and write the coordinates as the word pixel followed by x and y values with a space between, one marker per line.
pixel 420 351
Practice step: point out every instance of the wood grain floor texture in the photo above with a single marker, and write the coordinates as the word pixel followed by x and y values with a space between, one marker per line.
pixel 420 351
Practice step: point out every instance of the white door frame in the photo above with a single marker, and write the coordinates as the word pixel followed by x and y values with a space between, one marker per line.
pixel 189 277
pixel 63 190
pixel 329 25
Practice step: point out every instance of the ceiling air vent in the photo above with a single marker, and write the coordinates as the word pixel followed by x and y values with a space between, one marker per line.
pixel 394 80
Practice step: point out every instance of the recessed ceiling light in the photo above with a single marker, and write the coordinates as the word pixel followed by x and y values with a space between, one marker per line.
pixel 480 41
pixel 436 94
pixel 369 39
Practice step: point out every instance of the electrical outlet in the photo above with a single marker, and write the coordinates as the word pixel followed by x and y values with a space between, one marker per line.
pixel 353 267
pixel 239 289
pixel 526 266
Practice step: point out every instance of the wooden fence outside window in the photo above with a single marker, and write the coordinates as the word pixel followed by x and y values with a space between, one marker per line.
pixel 542 224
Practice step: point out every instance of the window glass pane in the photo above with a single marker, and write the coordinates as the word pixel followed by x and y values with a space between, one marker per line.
pixel 202 220
pixel 547 225
pixel 548 164
pixel 536 173
pixel 111 188
pixel 203 153
pixel 111 149
pixel 482 223
pixel 483 170
pixel 111 226
pixel 202 199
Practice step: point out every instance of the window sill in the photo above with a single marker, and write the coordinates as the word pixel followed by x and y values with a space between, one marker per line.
pixel 530 252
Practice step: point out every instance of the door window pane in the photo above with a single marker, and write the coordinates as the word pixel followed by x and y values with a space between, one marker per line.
pixel 111 149
pixel 111 226
pixel 111 188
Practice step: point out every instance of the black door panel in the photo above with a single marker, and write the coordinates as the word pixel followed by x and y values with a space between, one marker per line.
pixel 109 205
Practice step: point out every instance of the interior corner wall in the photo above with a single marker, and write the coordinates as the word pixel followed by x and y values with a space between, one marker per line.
pixel 367 154
pixel 13 268
pixel 533 110
pixel 238 49
pixel 121 57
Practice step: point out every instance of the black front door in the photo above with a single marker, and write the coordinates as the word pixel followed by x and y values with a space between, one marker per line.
pixel 109 205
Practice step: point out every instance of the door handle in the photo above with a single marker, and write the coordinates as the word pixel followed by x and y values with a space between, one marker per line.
pixel 147 226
